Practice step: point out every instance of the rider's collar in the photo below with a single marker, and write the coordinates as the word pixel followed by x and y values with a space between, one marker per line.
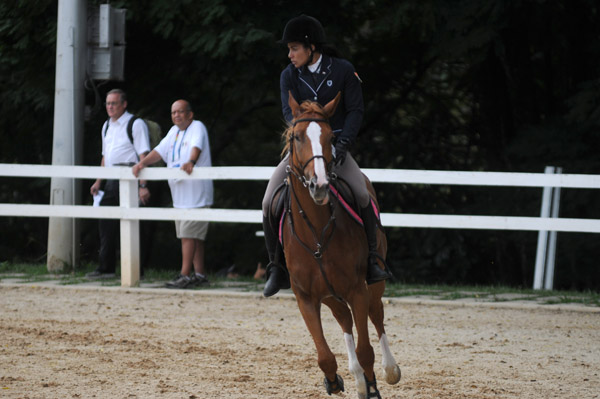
pixel 317 65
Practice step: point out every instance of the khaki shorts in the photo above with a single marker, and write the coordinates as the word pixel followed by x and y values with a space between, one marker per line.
pixel 191 229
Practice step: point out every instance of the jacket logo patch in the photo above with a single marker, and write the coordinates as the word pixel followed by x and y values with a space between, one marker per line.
pixel 329 83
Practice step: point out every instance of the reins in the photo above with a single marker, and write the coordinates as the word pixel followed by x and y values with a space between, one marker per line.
pixel 322 241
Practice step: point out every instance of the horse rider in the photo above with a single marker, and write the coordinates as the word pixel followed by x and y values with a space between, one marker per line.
pixel 317 73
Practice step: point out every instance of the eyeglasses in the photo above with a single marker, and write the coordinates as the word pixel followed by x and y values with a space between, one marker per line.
pixel 112 103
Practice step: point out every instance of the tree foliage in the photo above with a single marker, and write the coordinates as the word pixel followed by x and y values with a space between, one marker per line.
pixel 463 85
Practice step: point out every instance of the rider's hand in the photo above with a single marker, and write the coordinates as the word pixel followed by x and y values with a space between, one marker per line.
pixel 341 150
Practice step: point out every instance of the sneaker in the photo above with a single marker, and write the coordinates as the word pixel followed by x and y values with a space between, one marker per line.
pixel 99 274
pixel 180 281
pixel 197 281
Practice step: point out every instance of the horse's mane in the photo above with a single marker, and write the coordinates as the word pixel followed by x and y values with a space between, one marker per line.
pixel 307 107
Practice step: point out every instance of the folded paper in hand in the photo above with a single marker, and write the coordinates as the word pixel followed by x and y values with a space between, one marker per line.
pixel 98 197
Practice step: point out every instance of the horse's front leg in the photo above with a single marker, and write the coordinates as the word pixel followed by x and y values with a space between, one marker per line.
pixel 344 318
pixel 359 303
pixel 311 312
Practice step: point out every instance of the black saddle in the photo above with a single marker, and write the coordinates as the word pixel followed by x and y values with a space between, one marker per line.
pixel 338 188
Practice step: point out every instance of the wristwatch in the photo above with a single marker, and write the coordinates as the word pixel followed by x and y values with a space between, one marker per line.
pixel 143 185
pixel 193 161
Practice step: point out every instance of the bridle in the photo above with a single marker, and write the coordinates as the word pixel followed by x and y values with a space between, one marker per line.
pixel 299 169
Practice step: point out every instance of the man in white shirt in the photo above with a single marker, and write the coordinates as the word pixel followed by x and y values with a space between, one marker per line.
pixel 184 147
pixel 117 150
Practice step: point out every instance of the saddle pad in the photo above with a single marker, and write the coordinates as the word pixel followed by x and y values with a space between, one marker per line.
pixel 351 210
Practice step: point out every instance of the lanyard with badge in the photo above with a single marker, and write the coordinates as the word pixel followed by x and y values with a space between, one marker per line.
pixel 175 145
pixel 177 165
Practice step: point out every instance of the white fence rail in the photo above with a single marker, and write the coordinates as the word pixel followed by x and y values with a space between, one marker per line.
pixel 130 212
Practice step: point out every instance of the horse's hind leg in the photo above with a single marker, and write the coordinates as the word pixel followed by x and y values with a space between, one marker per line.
pixel 391 370
pixel 311 312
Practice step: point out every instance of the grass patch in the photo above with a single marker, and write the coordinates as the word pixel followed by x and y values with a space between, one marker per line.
pixel 23 268
pixel 491 294
pixel 585 298
pixel 31 273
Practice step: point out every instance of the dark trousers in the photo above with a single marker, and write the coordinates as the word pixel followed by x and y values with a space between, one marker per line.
pixel 109 229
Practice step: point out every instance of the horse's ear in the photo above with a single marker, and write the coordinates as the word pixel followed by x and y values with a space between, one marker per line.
pixel 332 105
pixel 294 105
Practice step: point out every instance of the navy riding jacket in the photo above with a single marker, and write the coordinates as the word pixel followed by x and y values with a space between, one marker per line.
pixel 334 75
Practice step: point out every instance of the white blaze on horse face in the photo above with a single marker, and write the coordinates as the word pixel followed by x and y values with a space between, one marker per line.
pixel 313 131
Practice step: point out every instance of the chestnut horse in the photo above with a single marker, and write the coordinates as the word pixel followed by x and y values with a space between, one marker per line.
pixel 326 254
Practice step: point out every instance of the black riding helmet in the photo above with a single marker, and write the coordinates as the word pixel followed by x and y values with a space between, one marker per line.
pixel 304 29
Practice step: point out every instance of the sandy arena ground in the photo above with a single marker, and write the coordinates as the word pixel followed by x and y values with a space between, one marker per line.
pixel 77 342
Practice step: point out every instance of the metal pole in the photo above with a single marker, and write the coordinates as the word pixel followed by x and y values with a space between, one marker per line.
pixel 540 258
pixel 550 260
pixel 71 39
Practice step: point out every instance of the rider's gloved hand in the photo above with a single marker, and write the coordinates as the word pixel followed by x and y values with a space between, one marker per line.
pixel 341 150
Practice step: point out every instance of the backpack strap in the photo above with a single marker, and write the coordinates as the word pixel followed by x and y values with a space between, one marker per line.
pixel 130 128
pixel 106 128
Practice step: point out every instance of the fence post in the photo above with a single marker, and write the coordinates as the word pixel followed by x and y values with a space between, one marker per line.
pixel 550 259
pixel 130 235
pixel 540 258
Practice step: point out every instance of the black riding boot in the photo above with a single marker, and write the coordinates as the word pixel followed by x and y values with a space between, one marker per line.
pixel 374 272
pixel 277 274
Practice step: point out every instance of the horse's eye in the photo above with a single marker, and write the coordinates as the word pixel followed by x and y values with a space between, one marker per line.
pixel 297 138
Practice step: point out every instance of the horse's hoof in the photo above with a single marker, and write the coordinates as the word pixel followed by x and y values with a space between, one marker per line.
pixel 392 376
pixel 336 386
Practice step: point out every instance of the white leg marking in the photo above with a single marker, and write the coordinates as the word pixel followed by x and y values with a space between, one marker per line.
pixel 390 367
pixel 355 367
pixel 314 134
